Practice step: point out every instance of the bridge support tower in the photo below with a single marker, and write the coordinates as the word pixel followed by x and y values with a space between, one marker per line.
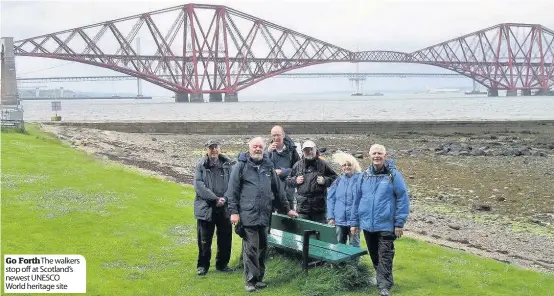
pixel 181 97
pixel 525 92
pixel 511 93
pixel 216 97
pixel 493 92
pixel 231 97
pixel 9 95
pixel 197 98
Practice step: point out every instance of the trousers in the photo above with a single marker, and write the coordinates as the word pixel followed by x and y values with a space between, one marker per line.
pixel 205 232
pixel 254 248
pixel 343 234
pixel 381 250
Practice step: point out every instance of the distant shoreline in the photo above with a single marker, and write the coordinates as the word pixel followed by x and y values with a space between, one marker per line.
pixel 211 127
pixel 86 98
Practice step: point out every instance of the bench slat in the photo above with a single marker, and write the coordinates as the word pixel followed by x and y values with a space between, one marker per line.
pixel 316 252
pixel 327 233
pixel 331 252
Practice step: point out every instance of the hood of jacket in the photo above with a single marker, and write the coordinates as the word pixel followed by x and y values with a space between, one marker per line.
pixel 390 165
pixel 289 143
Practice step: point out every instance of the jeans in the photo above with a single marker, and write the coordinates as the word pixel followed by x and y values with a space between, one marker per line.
pixel 343 234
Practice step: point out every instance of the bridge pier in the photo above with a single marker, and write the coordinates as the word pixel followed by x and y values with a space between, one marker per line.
pixel 231 97
pixel 493 92
pixel 216 97
pixel 511 93
pixel 525 92
pixel 196 98
pixel 9 80
pixel 181 97
pixel 544 92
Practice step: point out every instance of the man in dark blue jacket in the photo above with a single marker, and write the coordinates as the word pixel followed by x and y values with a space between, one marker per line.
pixel 253 186
pixel 380 210
pixel 283 154
pixel 210 208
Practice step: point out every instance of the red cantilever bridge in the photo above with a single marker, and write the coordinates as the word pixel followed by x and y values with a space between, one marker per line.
pixel 196 49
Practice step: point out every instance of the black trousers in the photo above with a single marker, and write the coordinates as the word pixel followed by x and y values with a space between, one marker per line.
pixel 254 248
pixel 205 232
pixel 381 250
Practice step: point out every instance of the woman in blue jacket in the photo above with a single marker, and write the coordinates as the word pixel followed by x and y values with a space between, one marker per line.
pixel 380 210
pixel 340 198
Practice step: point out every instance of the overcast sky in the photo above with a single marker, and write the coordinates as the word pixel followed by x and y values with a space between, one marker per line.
pixel 406 25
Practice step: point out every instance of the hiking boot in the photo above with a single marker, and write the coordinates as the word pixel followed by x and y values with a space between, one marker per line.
pixel 373 281
pixel 250 288
pixel 260 285
pixel 384 292
pixel 201 271
pixel 225 269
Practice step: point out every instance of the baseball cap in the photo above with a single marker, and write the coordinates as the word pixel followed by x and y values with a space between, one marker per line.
pixel 308 144
pixel 211 142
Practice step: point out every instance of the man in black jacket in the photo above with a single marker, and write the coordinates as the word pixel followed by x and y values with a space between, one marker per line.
pixel 253 185
pixel 283 155
pixel 311 176
pixel 210 208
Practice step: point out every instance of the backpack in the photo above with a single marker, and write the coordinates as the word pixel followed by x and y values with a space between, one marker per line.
pixel 391 178
pixel 390 171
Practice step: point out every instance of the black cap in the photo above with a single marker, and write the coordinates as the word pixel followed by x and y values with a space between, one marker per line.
pixel 211 142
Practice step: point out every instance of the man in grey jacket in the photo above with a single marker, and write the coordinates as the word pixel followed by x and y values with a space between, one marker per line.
pixel 253 186
pixel 210 208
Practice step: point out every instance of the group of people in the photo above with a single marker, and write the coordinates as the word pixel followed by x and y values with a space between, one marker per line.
pixel 274 177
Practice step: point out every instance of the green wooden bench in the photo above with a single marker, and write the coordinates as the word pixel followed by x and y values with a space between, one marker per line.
pixel 291 234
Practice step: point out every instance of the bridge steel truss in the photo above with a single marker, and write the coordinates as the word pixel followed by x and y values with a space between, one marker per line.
pixel 216 49
pixel 284 75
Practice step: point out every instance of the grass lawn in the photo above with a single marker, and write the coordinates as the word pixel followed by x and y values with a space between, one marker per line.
pixel 138 235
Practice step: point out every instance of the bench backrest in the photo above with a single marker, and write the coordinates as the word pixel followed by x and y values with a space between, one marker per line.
pixel 327 233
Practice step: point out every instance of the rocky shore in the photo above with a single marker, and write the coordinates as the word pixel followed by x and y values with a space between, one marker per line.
pixel 491 194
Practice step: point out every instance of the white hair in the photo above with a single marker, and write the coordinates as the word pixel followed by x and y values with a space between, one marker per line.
pixel 378 147
pixel 342 158
pixel 256 139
